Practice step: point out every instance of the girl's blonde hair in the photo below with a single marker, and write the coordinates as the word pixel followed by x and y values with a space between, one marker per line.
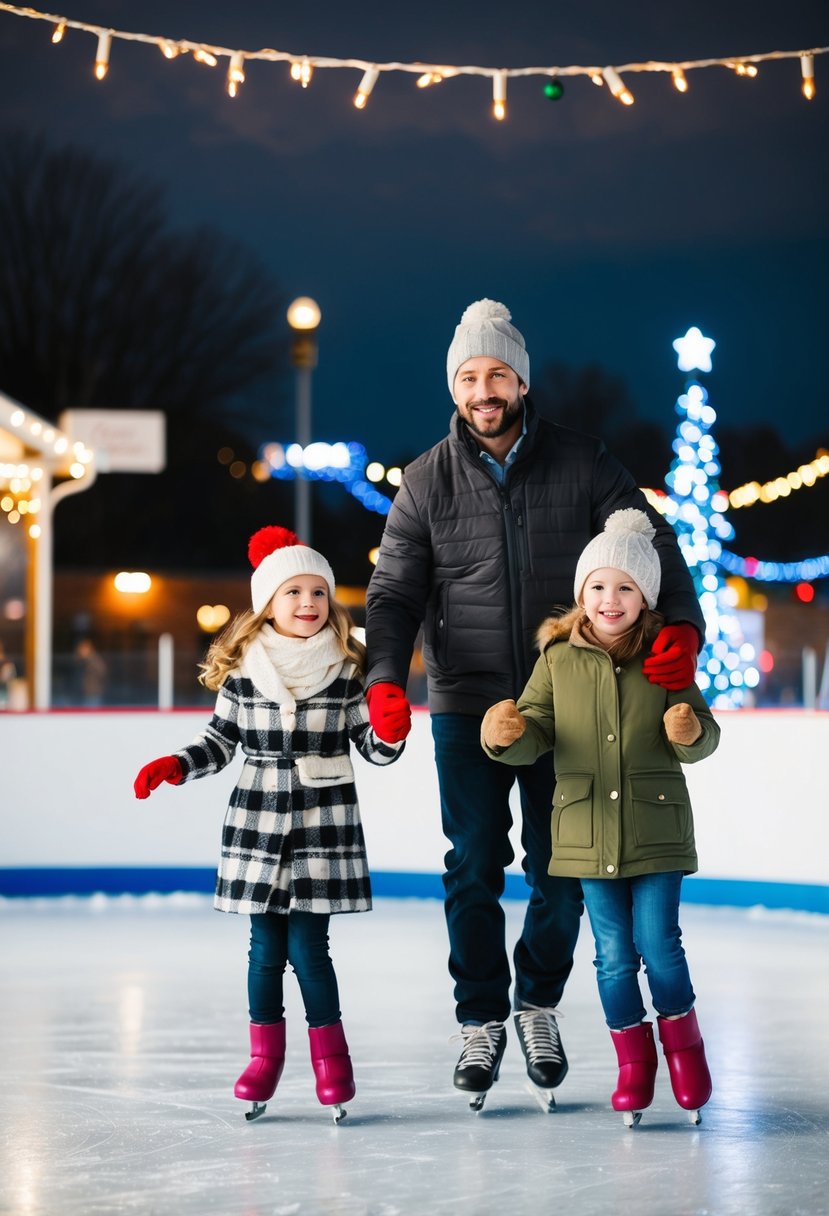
pixel 226 650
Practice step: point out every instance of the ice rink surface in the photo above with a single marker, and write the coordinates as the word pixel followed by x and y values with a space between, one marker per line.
pixel 123 1027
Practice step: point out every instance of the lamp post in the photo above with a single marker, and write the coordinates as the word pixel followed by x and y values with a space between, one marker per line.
pixel 303 317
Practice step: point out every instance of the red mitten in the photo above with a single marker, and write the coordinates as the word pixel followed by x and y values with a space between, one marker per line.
pixel 672 662
pixel 167 768
pixel 389 712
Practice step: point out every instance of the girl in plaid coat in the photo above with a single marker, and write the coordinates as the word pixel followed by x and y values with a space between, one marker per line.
pixel 288 674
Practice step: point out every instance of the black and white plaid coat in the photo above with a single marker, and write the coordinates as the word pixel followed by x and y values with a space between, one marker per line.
pixel 286 844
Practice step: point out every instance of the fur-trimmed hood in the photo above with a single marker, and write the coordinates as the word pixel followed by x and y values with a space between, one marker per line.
pixel 557 628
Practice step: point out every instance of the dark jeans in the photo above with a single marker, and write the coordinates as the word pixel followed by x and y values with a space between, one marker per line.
pixel 474 794
pixel 636 920
pixel 301 939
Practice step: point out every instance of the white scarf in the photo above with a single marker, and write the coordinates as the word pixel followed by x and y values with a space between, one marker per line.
pixel 286 670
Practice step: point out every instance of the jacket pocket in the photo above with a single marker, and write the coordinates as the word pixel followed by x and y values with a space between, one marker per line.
pixel 660 808
pixel 436 625
pixel 319 771
pixel 573 812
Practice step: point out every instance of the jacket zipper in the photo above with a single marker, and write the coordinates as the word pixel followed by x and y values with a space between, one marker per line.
pixel 514 578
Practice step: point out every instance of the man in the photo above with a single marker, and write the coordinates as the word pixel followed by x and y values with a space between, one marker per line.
pixel 481 542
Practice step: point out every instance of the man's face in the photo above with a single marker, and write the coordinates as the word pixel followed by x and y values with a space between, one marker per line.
pixel 489 396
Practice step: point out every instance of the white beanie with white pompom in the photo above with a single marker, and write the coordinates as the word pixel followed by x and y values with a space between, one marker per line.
pixel 485 330
pixel 625 544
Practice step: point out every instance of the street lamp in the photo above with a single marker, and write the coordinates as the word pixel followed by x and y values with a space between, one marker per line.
pixel 303 317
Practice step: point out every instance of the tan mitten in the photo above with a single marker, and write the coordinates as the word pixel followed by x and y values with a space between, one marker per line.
pixel 502 725
pixel 682 724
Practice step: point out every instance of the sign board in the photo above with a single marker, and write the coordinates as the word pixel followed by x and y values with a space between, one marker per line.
pixel 124 441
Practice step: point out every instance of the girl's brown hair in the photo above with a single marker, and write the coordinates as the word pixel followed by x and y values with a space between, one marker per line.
pixel 638 638
pixel 226 650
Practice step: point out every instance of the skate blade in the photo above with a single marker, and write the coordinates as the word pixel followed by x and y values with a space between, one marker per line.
pixel 631 1118
pixel 339 1113
pixel 256 1110
pixel 694 1117
pixel 544 1097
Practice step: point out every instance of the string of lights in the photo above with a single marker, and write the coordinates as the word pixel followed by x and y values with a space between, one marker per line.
pixel 346 463
pixel 806 475
pixel 803 477
pixel 303 66
pixel 809 568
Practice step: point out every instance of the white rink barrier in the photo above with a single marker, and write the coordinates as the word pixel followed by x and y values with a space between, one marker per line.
pixel 72 825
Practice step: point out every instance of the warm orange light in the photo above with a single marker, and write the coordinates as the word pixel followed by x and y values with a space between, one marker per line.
pixel 132 582
pixel 807 70
pixel 102 54
pixel 211 617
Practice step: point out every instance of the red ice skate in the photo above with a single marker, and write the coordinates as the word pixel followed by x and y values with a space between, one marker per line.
pixel 685 1054
pixel 332 1067
pixel 258 1082
pixel 636 1053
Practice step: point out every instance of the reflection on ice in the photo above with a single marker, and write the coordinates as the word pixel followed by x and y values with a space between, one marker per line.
pixel 124 1026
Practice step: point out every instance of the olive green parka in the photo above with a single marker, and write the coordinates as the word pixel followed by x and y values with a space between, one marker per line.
pixel 620 806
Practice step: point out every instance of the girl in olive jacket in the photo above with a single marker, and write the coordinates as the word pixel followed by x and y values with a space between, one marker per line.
pixel 622 819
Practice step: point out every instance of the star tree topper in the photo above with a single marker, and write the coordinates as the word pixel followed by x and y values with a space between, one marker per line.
pixel 694 351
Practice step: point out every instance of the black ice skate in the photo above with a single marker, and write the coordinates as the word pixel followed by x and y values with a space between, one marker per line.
pixel 480 1061
pixel 541 1044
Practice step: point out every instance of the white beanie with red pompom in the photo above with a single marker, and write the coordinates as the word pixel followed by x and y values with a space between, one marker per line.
pixel 276 555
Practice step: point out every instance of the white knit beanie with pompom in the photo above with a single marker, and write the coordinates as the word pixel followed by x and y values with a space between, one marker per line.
pixel 485 330
pixel 625 544
pixel 277 555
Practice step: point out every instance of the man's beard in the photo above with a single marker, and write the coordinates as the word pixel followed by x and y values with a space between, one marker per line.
pixel 512 412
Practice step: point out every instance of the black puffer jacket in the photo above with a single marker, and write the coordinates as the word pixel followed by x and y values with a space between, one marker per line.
pixel 481 565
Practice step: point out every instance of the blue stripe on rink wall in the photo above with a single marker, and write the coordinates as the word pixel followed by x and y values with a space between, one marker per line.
pixel 165 880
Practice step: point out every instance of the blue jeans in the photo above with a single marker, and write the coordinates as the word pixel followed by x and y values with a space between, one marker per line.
pixel 474 795
pixel 301 939
pixel 636 920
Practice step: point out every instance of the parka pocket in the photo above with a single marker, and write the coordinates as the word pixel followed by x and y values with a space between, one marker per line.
pixel 573 812
pixel 660 808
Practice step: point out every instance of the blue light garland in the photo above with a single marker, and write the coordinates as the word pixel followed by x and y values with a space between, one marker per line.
pixel 806 571
pixel 342 462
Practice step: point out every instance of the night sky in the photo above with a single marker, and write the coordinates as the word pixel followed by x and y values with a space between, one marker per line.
pixel 607 230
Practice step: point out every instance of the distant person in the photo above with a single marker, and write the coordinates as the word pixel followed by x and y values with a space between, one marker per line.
pixel 8 673
pixel 622 820
pixel 288 673
pixel 482 539
pixel 91 673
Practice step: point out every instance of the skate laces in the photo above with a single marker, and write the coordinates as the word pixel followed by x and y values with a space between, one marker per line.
pixel 480 1044
pixel 539 1030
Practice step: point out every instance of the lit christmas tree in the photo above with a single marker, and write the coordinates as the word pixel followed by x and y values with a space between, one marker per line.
pixel 696 507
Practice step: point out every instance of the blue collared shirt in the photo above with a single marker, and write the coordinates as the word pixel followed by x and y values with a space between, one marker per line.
pixel 499 471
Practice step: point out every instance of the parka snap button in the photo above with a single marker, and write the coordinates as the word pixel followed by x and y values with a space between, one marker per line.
pixel 661 797
pixel 610 869
pixel 614 794
pixel 611 738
